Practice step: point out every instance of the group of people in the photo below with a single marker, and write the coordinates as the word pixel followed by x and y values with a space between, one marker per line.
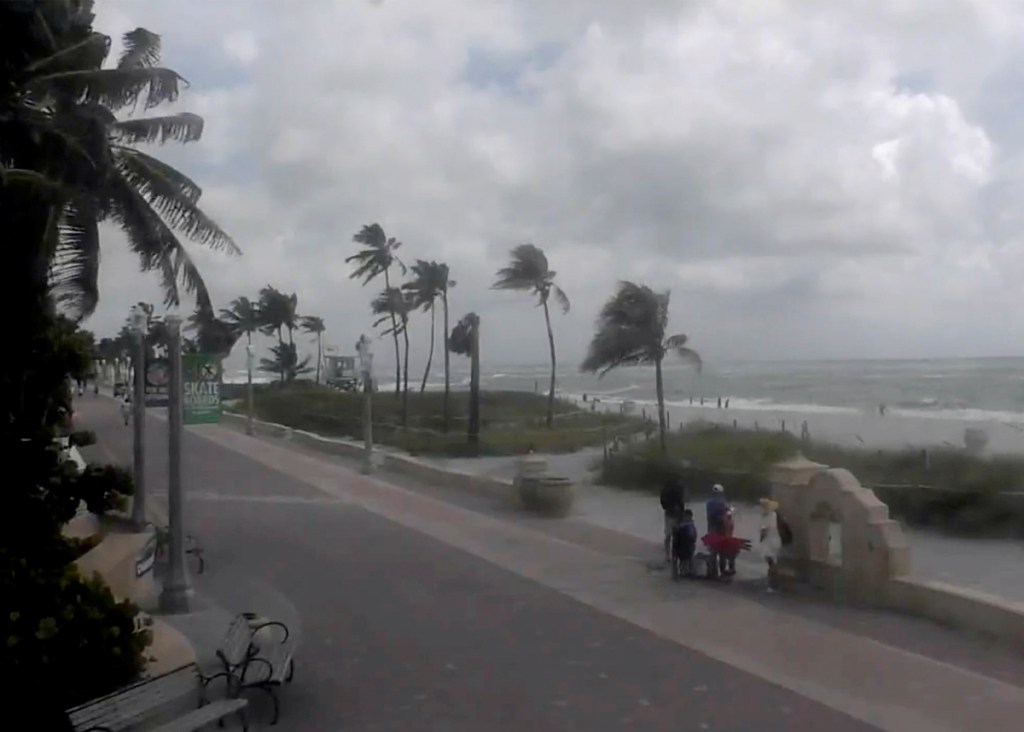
pixel 681 534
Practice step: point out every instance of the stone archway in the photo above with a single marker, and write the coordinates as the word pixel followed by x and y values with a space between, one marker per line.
pixel 845 542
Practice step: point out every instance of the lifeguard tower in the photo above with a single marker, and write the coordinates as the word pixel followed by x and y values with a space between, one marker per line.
pixel 341 373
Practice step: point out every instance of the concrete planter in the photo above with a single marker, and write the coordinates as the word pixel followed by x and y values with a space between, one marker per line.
pixel 547 495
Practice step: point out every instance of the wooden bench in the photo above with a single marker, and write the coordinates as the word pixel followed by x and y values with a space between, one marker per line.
pixel 253 658
pixel 143 701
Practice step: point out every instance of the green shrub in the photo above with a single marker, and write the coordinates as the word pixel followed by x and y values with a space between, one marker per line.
pixel 65 633
pixel 104 487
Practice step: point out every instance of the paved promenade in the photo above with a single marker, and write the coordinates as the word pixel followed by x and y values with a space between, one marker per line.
pixel 420 609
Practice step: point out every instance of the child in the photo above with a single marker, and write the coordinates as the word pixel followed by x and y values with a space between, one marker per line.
pixel 685 542
pixel 729 526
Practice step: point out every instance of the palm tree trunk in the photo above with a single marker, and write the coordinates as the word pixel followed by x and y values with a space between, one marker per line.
pixel 430 354
pixel 474 387
pixel 551 345
pixel 319 355
pixel 447 377
pixel 280 342
pixel 394 336
pixel 660 389
pixel 405 387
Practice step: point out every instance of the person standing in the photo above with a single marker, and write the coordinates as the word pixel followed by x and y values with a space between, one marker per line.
pixel 716 509
pixel 126 408
pixel 673 502
pixel 771 539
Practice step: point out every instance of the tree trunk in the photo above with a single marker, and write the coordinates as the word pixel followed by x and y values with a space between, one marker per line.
pixel 660 389
pixel 405 383
pixel 319 355
pixel 474 387
pixel 447 354
pixel 394 336
pixel 551 346
pixel 280 342
pixel 430 354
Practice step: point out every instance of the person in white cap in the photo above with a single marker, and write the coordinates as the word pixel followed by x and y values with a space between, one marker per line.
pixel 717 507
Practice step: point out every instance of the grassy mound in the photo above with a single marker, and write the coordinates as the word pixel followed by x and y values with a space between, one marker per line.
pixel 511 422
pixel 943 488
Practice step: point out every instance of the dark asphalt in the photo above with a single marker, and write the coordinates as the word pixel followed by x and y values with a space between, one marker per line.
pixel 401 632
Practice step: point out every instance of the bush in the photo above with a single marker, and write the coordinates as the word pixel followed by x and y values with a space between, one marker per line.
pixel 104 487
pixel 82 438
pixel 65 634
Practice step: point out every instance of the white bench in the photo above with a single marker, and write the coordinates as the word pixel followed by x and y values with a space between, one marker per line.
pixel 128 707
pixel 256 653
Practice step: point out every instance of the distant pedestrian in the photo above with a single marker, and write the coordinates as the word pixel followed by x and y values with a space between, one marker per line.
pixel 726 403
pixel 126 407
pixel 719 402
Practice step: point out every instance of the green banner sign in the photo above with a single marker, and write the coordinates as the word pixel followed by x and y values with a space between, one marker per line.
pixel 201 374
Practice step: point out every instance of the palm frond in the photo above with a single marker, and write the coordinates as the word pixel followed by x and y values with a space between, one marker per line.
pixel 166 197
pixel 156 245
pixel 184 127
pixel 171 175
pixel 312 324
pixel 561 298
pixel 76 262
pixel 116 88
pixel 461 339
pixel 46 187
pixel 141 50
pixel 677 344
pixel 88 53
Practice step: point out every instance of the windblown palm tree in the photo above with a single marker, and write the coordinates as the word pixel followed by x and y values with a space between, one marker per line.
pixel 212 335
pixel 243 315
pixel 277 313
pixel 528 272
pixel 631 331
pixel 376 259
pixel 393 305
pixel 430 282
pixel 465 341
pixel 60 123
pixel 313 324
pixel 285 362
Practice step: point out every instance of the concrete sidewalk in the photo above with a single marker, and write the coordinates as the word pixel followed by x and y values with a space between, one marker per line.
pixel 886 686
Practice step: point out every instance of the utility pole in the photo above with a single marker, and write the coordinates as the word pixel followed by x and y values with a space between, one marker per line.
pixel 138 325
pixel 176 593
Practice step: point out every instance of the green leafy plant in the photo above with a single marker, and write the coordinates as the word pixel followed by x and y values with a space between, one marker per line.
pixel 82 438
pixel 104 487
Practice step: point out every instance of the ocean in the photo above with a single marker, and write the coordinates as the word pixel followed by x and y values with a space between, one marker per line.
pixel 985 389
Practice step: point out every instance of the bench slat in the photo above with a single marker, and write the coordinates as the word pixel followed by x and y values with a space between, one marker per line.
pixel 134 703
pixel 203 715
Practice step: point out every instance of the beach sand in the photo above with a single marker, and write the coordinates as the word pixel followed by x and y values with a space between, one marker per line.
pixel 848 429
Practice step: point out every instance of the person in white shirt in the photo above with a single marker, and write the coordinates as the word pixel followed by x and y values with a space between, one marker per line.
pixel 771 539
pixel 126 408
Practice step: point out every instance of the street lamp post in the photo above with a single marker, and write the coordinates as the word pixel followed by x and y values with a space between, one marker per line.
pixel 138 326
pixel 248 389
pixel 366 367
pixel 176 592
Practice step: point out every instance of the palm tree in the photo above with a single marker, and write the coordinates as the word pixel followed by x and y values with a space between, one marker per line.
pixel 213 335
pixel 277 313
pixel 285 362
pixel 630 331
pixel 243 315
pixel 313 324
pixel 375 259
pixel 430 281
pixel 465 341
pixel 394 305
pixel 59 121
pixel 528 271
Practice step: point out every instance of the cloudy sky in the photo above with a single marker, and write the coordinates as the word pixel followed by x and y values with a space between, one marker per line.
pixel 817 179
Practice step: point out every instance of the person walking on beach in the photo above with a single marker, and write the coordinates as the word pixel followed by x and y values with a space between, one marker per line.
pixel 771 539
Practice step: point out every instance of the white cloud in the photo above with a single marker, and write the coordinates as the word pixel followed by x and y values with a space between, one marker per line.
pixel 773 166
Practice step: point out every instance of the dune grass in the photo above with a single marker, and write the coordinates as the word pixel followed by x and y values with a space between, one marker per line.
pixel 512 423
pixel 945 488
